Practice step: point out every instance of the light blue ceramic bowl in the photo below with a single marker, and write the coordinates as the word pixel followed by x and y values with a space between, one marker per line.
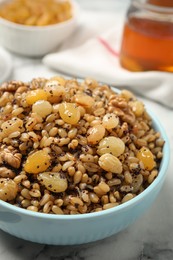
pixel 78 229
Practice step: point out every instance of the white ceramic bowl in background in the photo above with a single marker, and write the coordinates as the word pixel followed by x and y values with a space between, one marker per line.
pixel 36 41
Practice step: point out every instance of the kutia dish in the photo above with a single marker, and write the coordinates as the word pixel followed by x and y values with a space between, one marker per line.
pixel 78 151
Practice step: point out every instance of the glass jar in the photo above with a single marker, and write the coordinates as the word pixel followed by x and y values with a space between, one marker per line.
pixel 147 42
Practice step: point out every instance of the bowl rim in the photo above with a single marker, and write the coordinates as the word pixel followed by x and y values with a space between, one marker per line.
pixel 22 27
pixel 122 207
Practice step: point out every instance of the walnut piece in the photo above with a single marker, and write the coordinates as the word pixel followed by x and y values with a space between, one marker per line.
pixel 13 158
pixel 8 189
pixel 12 86
pixel 6 173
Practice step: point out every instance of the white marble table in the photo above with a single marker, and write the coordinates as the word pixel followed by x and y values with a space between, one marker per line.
pixel 151 237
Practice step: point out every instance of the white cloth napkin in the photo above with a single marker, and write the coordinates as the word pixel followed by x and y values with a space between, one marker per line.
pixel 97 57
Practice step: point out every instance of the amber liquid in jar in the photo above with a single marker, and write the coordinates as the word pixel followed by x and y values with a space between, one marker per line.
pixel 165 3
pixel 147 45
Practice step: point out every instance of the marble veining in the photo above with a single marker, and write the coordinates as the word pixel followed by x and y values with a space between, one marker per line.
pixel 149 238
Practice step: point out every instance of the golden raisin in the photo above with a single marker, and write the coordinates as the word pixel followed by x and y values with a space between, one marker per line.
pixel 55 91
pixel 147 158
pixel 42 107
pixel 84 100
pixel 37 162
pixel 69 113
pixel 13 125
pixel 35 95
pixel 95 134
pixel 60 80
pixel 137 107
pixel 112 145
pixel 110 163
pixel 53 181
pixel 110 121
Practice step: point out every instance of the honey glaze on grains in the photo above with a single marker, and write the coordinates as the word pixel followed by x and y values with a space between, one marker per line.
pixel 147 45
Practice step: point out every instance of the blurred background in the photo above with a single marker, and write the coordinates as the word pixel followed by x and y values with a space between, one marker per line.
pixel 103 5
